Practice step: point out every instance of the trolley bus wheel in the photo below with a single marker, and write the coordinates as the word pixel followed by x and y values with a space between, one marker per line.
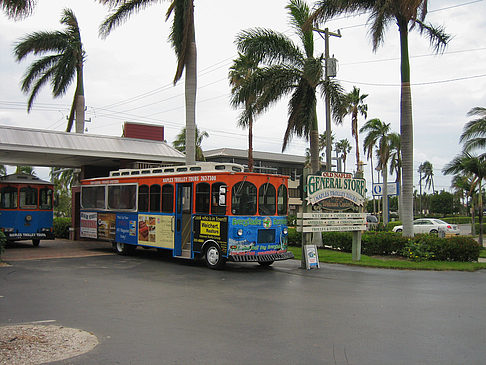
pixel 265 263
pixel 123 248
pixel 36 242
pixel 214 258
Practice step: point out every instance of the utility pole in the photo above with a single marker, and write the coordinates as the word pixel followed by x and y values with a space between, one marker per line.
pixel 327 70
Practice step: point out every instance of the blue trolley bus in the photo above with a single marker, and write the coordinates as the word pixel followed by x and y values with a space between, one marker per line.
pixel 26 205
pixel 213 211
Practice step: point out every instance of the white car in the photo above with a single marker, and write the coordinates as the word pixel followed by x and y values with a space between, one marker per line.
pixel 430 225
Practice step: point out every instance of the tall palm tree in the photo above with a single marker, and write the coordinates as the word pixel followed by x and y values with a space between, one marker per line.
pixel 462 188
pixel 180 142
pixel 343 147
pixel 287 69
pixel 240 72
pixel 378 135
pixel 354 105
pixel 474 132
pixel 17 9
pixel 182 38
pixel 406 14
pixel 64 61
pixel 474 166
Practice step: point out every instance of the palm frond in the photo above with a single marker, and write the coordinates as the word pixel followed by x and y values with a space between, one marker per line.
pixel 64 73
pixel 437 36
pixel 299 14
pixel 17 9
pixel 37 86
pixel 122 11
pixel 39 43
pixel 36 70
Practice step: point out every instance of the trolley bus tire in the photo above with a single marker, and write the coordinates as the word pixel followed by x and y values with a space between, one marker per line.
pixel 36 242
pixel 265 263
pixel 214 257
pixel 123 248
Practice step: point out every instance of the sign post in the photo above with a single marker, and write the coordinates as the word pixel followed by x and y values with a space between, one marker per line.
pixel 334 192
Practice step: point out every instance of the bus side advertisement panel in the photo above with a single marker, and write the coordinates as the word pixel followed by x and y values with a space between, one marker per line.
pixel 210 228
pixel 156 230
pixel 126 228
pixel 89 225
pixel 261 235
pixel 106 226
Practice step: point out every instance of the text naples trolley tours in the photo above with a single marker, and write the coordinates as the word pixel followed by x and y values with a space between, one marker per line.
pixel 26 208
pixel 213 211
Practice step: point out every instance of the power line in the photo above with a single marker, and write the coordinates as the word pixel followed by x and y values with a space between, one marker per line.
pixel 415 84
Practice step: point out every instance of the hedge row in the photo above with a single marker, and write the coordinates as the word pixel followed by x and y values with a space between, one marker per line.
pixel 61 227
pixel 421 247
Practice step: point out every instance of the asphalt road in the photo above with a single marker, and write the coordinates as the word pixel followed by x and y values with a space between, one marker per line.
pixel 148 309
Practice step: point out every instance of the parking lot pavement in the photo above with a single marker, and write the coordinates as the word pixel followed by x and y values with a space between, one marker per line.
pixel 58 248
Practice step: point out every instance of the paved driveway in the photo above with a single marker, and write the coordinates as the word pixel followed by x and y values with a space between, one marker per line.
pixel 148 309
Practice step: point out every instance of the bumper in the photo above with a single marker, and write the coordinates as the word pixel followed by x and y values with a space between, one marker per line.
pixel 29 236
pixel 261 258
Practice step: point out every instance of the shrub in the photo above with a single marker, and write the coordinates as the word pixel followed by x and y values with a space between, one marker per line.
pixel 458 248
pixel 382 243
pixel 61 227
pixel 295 238
pixel 342 241
pixel 419 248
pixel 291 220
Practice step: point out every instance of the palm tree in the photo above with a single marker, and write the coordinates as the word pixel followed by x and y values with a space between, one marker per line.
pixel 354 105
pixel 396 165
pixel 17 9
pixel 474 132
pixel 343 147
pixel 406 14
pixel 289 69
pixel 378 135
pixel 180 142
pixel 242 70
pixel 182 38
pixel 427 169
pixel 64 61
pixel 462 187
pixel 474 166
pixel 29 170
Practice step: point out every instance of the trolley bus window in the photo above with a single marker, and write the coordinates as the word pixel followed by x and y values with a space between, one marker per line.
pixel 28 198
pixel 122 197
pixel 45 199
pixel 155 198
pixel 282 199
pixel 8 198
pixel 266 199
pixel 168 198
pixel 244 198
pixel 93 197
pixel 143 198
pixel 202 198
pixel 218 198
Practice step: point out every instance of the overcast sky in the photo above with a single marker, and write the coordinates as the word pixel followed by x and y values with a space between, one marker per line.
pixel 128 76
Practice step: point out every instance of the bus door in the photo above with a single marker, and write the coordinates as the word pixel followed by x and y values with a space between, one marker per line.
pixel 182 244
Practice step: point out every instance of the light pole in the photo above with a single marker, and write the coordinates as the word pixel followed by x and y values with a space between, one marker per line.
pixel 328 74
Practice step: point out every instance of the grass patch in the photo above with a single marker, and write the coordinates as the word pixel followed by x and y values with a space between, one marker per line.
pixel 336 257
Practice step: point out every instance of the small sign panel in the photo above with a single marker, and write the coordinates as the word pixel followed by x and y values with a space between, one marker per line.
pixel 311 257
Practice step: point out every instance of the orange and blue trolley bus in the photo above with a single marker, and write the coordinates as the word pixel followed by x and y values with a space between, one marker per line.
pixel 214 211
pixel 26 208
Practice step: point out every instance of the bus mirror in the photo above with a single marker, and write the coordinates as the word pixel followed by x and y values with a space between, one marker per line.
pixel 222 196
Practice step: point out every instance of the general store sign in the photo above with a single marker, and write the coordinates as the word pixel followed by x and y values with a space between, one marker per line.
pixel 335 185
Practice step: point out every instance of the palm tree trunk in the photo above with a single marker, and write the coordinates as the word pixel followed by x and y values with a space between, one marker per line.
pixel 372 183
pixel 406 131
pixel 480 203
pixel 314 145
pixel 250 144
pixel 190 95
pixel 355 130
pixel 80 103
pixel 385 194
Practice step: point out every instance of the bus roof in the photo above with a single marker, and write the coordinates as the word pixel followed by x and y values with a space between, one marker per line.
pixel 23 179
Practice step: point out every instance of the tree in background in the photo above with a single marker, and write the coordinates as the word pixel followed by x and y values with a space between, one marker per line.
pixel 64 61
pixel 289 69
pixel 63 180
pixel 407 15
pixel 183 40
pixel 442 203
pixel 28 170
pixel 474 132
pixel 3 170
pixel 378 135
pixel 240 73
pixel 180 143
pixel 354 105
pixel 474 167
pixel 427 174
pixel 396 165
pixel 17 9
pixel 343 147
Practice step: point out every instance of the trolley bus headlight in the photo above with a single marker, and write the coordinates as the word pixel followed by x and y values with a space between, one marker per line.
pixel 239 232
pixel 7 230
pixel 285 231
